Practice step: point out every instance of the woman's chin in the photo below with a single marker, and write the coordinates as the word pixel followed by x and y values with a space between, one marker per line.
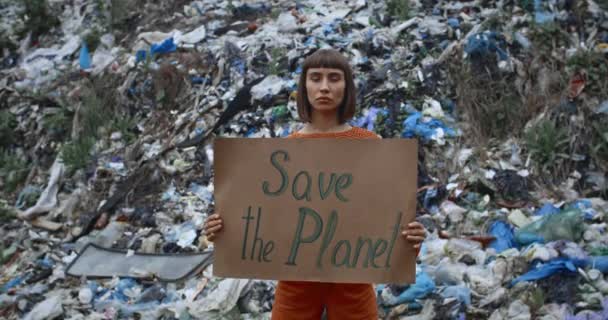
pixel 325 109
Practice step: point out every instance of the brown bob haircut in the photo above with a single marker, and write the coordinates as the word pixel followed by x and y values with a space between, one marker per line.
pixel 328 58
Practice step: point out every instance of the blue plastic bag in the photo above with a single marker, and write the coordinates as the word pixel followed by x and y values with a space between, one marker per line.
pixel 547 209
pixel 505 238
pixel 164 47
pixel 454 23
pixel 540 15
pixel 485 43
pixel 140 55
pixel 544 270
pixel 414 126
pixel 462 293
pixel 585 206
pixel 420 289
pixel 85 57
pixel 598 262
pixel 368 120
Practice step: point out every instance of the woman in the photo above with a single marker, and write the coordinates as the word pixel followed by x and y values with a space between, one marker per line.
pixel 326 101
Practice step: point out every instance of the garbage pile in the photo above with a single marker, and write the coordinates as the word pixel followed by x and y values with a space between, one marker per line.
pixel 108 110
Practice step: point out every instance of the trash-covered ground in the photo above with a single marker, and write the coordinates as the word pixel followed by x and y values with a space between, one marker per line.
pixel 108 110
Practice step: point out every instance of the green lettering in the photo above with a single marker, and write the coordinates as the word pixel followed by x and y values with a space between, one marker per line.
pixel 267 250
pixel 395 233
pixel 376 253
pixel 332 181
pixel 344 261
pixel 294 187
pixel 330 229
pixel 282 171
pixel 344 181
pixel 247 218
pixel 360 242
pixel 297 240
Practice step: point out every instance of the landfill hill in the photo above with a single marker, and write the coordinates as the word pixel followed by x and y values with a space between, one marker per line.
pixel 109 108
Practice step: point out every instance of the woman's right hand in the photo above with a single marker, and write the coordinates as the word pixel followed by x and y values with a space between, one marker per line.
pixel 213 226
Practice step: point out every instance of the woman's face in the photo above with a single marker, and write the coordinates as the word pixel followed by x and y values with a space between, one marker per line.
pixel 325 88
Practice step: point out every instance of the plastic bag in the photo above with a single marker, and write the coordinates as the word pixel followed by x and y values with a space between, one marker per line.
pixel 544 270
pixel 422 287
pixel 504 236
pixel 566 225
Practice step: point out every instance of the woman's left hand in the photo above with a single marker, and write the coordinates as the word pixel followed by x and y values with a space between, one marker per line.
pixel 415 233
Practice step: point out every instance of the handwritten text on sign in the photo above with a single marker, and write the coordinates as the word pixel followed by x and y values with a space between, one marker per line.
pixel 315 209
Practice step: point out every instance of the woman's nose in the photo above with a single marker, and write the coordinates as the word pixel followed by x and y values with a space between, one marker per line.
pixel 324 85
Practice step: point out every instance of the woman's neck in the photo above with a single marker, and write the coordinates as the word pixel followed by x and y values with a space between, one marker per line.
pixel 323 123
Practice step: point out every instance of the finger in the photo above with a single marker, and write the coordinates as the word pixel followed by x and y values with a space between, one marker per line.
pixel 415 239
pixel 415 224
pixel 213 223
pixel 417 246
pixel 211 236
pixel 214 229
pixel 213 217
pixel 417 232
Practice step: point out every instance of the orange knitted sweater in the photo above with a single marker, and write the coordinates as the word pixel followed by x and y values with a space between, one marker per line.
pixel 352 133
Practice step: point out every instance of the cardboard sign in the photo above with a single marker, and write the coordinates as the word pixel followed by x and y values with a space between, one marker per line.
pixel 328 210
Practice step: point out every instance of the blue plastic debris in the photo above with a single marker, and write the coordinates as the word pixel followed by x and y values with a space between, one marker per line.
pixel 250 9
pixel 598 262
pixel 522 40
pixel 429 201
pixel 368 120
pixel 485 43
pixel 284 131
pixel 454 23
pixel 544 270
pixel 140 55
pixel 462 293
pixel 420 289
pixel 123 285
pixel 170 194
pixel 603 108
pixel 201 192
pixel 250 132
pixel 329 29
pixel 540 14
pixel 199 80
pixel 585 206
pixel 85 57
pixel 164 47
pixel 46 263
pixel 448 105
pixel 158 48
pixel 503 232
pixel 13 283
pixel 239 65
pixel 547 209
pixel 418 126
pixel 311 42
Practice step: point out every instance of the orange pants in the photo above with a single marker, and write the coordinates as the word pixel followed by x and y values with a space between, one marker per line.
pixel 295 300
